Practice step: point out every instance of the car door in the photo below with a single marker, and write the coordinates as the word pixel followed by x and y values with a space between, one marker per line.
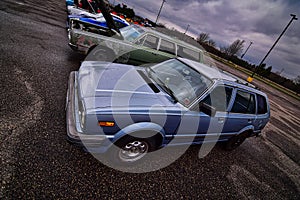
pixel 208 126
pixel 242 113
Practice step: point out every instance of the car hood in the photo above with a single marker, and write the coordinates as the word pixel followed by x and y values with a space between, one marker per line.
pixel 109 85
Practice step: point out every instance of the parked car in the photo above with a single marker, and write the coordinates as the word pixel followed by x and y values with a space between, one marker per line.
pixel 98 20
pixel 139 45
pixel 74 10
pixel 69 3
pixel 175 102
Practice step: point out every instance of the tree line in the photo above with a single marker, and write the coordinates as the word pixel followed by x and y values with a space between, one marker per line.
pixel 232 53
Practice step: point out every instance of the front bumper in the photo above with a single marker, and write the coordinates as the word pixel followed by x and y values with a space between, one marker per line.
pixel 96 143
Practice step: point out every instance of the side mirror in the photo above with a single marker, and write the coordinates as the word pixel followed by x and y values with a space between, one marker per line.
pixel 207 109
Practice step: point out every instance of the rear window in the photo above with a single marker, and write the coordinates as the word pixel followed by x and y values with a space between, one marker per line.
pixel 262 107
pixel 244 103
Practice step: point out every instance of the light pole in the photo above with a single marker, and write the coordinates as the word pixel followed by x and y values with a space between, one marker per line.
pixel 159 11
pixel 187 28
pixel 250 79
pixel 247 49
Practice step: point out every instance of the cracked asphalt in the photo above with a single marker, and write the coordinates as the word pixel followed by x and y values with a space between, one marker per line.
pixel 38 163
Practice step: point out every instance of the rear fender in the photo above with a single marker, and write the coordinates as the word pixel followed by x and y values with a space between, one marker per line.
pixel 249 129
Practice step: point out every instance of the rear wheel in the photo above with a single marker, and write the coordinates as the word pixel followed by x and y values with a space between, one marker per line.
pixel 236 141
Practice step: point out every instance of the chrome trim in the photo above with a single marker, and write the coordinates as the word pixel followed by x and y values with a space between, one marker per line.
pixel 74 132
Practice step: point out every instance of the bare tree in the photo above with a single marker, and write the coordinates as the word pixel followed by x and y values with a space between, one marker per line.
pixel 297 80
pixel 235 48
pixel 203 38
pixel 211 43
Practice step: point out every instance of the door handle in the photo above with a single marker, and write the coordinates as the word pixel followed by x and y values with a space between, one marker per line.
pixel 250 121
pixel 221 120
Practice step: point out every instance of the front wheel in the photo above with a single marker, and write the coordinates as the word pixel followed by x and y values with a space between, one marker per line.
pixel 100 53
pixel 130 150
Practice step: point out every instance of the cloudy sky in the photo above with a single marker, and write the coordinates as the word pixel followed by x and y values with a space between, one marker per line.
pixel 259 21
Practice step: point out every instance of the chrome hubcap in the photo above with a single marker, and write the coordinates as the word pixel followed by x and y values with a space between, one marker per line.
pixel 133 151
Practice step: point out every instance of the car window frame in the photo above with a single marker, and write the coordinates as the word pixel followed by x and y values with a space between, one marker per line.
pixel 172 42
pixel 199 57
pixel 266 104
pixel 153 35
pixel 195 106
pixel 233 100
pixel 176 45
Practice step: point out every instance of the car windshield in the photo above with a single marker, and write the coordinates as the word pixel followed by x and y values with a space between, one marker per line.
pixel 130 33
pixel 179 80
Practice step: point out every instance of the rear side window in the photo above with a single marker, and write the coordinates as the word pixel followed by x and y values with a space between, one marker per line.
pixel 244 103
pixel 151 42
pixel 167 46
pixel 188 53
pixel 262 107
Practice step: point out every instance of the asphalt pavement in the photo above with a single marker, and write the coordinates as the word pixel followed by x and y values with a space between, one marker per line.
pixel 38 163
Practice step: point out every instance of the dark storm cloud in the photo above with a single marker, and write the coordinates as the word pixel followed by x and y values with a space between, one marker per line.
pixel 227 20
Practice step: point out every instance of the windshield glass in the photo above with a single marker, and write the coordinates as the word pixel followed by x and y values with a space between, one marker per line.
pixel 179 80
pixel 130 33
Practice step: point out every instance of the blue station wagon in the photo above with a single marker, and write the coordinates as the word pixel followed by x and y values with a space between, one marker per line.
pixel 142 109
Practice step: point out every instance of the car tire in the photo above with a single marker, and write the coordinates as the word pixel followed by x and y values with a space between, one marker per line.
pixel 235 141
pixel 131 150
pixel 98 53
pixel 123 59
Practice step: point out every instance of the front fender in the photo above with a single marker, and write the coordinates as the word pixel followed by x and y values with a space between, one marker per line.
pixel 140 127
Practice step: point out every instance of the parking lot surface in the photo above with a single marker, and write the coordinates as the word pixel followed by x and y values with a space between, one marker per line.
pixel 38 163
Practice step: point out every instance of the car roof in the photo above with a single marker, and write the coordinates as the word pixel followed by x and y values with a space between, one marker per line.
pixel 217 74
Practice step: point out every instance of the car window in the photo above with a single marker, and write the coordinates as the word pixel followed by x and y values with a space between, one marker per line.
pixel 188 53
pixel 244 103
pixel 219 98
pixel 167 46
pixel 261 105
pixel 180 80
pixel 140 40
pixel 130 33
pixel 151 41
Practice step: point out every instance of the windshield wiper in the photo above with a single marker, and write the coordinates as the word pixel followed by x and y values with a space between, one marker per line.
pixel 171 93
pixel 149 70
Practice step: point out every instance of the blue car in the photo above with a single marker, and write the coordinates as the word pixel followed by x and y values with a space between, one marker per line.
pixel 98 20
pixel 69 3
pixel 143 109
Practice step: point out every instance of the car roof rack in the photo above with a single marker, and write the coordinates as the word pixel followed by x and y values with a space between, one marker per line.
pixel 240 80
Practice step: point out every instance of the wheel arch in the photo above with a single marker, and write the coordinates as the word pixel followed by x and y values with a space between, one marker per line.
pixel 94 48
pixel 249 129
pixel 151 129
